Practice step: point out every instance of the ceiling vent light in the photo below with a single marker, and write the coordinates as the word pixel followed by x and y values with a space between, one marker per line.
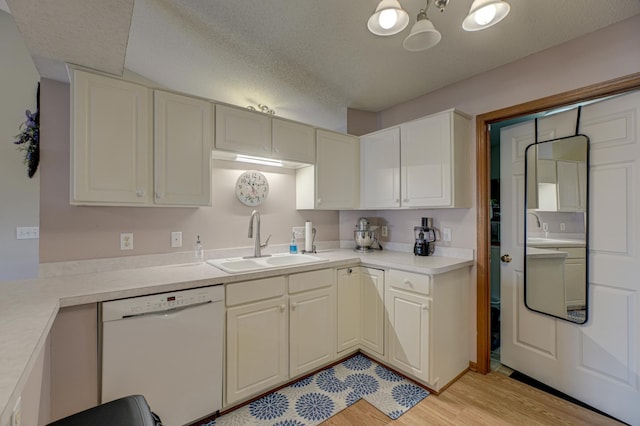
pixel 484 14
pixel 388 19
pixel 423 34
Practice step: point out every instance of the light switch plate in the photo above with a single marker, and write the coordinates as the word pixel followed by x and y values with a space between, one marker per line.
pixel 446 234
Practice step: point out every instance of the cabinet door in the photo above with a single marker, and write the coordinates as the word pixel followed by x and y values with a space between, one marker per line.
pixel 372 311
pixel 349 308
pixel 182 154
pixel 312 326
pixel 380 165
pixel 426 162
pixel 408 338
pixel 243 131
pixel 337 171
pixel 111 158
pixel 293 141
pixel 568 186
pixel 256 348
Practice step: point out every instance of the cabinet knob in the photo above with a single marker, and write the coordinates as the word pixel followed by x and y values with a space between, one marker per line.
pixel 265 148
pixel 349 271
pixel 425 307
pixel 282 308
pixel 407 282
pixel 140 193
pixel 319 200
pixel 397 200
pixel 276 150
pixel 406 200
pixel 294 305
pixel 159 194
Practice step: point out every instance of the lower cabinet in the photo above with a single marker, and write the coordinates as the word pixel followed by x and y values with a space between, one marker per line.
pixel 361 310
pixel 257 352
pixel 428 325
pixel 274 334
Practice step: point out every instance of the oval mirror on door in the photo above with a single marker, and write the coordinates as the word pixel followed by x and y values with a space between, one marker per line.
pixel 556 217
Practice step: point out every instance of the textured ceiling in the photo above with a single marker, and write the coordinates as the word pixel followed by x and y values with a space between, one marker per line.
pixel 304 58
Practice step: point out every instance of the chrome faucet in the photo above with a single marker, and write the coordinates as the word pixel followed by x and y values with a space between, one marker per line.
pixel 258 246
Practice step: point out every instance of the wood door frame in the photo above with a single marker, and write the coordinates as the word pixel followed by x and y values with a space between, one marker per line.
pixel 483 175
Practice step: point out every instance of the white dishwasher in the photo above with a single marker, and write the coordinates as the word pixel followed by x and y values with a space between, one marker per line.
pixel 168 348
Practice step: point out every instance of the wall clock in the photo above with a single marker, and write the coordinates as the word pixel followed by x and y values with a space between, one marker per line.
pixel 252 188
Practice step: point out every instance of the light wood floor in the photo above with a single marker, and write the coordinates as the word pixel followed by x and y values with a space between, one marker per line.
pixel 476 399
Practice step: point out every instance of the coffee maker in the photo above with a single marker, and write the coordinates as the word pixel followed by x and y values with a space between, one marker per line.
pixel 425 238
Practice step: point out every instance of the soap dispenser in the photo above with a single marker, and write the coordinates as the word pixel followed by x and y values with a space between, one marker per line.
pixel 199 251
pixel 293 246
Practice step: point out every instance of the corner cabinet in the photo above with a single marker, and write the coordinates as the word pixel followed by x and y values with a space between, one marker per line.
pixel 182 150
pixel 333 183
pixel 361 310
pixel 110 141
pixel 428 325
pixel 128 149
pixel 421 163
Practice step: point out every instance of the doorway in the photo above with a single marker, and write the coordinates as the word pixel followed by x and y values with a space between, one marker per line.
pixel 483 180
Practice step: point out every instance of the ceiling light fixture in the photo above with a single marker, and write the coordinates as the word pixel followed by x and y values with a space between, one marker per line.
pixel 423 34
pixel 388 19
pixel 484 14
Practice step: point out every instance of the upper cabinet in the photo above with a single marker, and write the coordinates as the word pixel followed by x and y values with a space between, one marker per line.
pixel 110 141
pixel 334 182
pixel 252 133
pixel 422 163
pixel 182 149
pixel 116 160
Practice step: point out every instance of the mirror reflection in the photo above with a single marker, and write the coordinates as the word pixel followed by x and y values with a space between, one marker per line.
pixel 556 227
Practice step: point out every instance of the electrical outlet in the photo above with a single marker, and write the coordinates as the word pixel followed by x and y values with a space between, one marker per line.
pixel 384 231
pixel 562 227
pixel 176 239
pixel 16 414
pixel 545 227
pixel 298 231
pixel 446 234
pixel 27 233
pixel 126 241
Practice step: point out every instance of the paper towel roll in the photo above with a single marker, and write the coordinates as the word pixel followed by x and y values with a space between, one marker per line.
pixel 308 236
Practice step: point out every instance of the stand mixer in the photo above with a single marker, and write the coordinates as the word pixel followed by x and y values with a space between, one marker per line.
pixel 425 238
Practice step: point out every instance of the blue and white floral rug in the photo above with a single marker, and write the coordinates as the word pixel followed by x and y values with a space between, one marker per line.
pixel 314 399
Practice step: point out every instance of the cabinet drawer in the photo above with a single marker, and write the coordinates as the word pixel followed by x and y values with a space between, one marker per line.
pixel 574 252
pixel 311 280
pixel 409 281
pixel 251 291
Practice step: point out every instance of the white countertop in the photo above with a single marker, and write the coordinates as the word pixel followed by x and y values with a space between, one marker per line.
pixel 555 242
pixel 29 307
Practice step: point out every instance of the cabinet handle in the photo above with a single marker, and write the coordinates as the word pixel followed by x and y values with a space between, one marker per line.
pixel 140 193
pixel 407 282
pixel 294 305
pixel 282 308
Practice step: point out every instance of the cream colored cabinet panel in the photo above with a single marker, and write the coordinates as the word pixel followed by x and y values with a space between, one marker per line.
pixel 435 161
pixel 349 308
pixel 312 326
pixel 408 339
pixel 380 169
pixel 110 141
pixel 243 131
pixel 569 198
pixel 293 141
pixel 182 154
pixel 372 309
pixel 257 351
pixel 337 171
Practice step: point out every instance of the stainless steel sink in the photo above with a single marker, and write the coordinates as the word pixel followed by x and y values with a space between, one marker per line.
pixel 237 265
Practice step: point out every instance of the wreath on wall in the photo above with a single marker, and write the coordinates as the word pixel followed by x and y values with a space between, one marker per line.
pixel 28 140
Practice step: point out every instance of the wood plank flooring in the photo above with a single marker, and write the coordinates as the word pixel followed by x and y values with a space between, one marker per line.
pixel 475 399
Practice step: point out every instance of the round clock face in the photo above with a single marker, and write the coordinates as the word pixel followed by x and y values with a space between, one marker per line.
pixel 252 188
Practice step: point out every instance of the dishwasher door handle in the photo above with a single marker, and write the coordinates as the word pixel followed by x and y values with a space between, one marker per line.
pixel 166 311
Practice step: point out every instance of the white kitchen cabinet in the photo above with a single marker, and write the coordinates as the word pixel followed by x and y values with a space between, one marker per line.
pixel 256 339
pixel 312 323
pixel 571 185
pixel 361 310
pixel 428 325
pixel 110 141
pixel 293 141
pixel 380 169
pixel 334 182
pixel 435 161
pixel 575 277
pixel 182 150
pixel 241 131
pixel 421 163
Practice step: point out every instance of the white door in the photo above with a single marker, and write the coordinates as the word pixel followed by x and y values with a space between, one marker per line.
pixel 599 362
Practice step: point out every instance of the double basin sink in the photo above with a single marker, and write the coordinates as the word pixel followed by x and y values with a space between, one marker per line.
pixel 236 265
